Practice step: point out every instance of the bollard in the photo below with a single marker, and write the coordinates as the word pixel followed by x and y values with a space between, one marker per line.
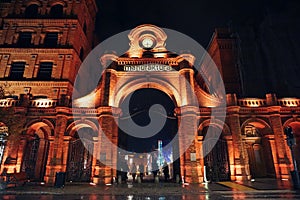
pixel 177 178
pixel 119 179
pixel 139 180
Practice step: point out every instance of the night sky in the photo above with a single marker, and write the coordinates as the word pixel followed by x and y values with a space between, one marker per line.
pixel 195 18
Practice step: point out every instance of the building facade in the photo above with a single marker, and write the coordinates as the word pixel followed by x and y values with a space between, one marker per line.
pixel 43 44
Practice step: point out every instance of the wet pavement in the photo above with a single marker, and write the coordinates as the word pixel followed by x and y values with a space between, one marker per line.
pixel 259 189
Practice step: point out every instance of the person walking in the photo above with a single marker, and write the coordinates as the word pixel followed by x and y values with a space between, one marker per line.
pixel 133 171
pixel 141 168
pixel 166 172
pixel 155 169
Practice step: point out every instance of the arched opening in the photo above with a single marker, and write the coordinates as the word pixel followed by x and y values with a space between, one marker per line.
pixel 32 11
pixel 216 162
pixel 57 11
pixel 36 153
pixel 79 167
pixel 258 148
pixel 139 103
pixel 296 130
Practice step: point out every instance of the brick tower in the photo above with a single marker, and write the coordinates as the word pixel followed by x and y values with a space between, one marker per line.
pixel 42 44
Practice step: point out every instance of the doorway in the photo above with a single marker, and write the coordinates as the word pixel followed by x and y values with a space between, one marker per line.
pixel 141 149
pixel 80 158
pixel 35 158
pixel 216 162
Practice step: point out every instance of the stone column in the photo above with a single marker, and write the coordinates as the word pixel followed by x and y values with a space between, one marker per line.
pixel 199 154
pixel 56 149
pixel 230 156
pixel 187 134
pixel 107 153
pixel 241 162
pixel 282 166
pixel 65 152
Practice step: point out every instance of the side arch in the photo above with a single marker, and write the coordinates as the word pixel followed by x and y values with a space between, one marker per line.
pixel 43 124
pixel 216 123
pixel 35 148
pixel 78 124
pixel 260 124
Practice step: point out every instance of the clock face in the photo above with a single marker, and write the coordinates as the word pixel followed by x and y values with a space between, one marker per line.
pixel 147 43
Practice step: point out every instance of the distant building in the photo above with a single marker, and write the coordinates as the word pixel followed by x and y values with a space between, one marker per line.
pixel 42 45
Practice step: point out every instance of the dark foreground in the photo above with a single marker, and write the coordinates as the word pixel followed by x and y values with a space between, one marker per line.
pixel 259 189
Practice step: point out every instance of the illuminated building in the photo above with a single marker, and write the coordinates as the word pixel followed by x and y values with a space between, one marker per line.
pixel 40 54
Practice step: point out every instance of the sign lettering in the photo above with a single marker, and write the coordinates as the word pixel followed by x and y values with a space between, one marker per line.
pixel 148 68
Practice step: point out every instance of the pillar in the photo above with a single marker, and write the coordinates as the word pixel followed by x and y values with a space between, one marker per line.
pixel 55 161
pixel 241 162
pixel 105 169
pixel 282 166
pixel 187 133
pixel 230 156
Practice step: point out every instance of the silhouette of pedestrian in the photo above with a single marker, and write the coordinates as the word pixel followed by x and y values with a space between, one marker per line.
pixel 141 167
pixel 166 172
pixel 133 171
pixel 154 169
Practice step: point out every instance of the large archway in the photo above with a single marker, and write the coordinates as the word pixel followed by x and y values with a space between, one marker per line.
pixel 36 151
pixel 140 102
pixel 257 138
pixel 216 162
pixel 80 159
pixel 296 130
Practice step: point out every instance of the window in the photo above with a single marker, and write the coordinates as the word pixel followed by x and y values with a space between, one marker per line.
pixel 51 40
pixel 57 11
pixel 17 70
pixel 45 71
pixel 31 11
pixel 25 39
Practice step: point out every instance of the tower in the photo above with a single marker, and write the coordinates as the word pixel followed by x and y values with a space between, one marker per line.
pixel 223 50
pixel 43 43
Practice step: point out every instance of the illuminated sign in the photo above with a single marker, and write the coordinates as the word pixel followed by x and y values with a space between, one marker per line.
pixel 148 68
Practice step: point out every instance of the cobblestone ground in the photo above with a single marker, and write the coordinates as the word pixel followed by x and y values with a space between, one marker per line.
pixel 261 189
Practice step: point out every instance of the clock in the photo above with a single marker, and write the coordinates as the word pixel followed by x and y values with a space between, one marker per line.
pixel 147 43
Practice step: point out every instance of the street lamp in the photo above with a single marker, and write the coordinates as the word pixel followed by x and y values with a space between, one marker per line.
pixel 292 142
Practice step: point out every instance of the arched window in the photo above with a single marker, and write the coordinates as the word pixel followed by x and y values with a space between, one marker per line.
pixel 32 11
pixel 57 11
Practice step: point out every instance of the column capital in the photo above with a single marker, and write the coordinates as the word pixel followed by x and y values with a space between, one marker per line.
pixel 183 110
pixel 109 110
pixel 233 110
pixel 274 110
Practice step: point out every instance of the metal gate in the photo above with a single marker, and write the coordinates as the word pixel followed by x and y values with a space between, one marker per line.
pixel 30 158
pixel 80 161
pixel 216 163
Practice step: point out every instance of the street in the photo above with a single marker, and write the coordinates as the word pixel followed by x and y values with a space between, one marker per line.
pixel 258 189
